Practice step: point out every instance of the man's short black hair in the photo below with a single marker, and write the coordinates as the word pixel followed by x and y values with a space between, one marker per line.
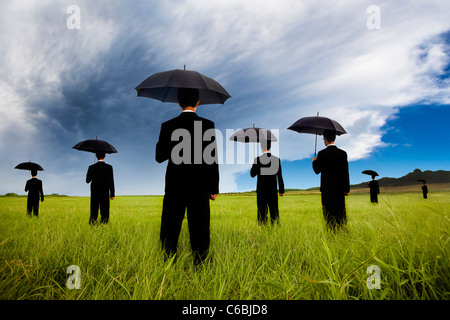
pixel 100 155
pixel 330 135
pixel 188 97
pixel 265 144
pixel 33 172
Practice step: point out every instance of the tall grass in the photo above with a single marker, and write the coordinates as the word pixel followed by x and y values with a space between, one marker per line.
pixel 405 236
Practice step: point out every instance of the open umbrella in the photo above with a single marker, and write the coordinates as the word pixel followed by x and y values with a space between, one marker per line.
pixel 317 125
pixel 95 145
pixel 163 86
pixel 422 180
pixel 253 135
pixel 29 166
pixel 370 173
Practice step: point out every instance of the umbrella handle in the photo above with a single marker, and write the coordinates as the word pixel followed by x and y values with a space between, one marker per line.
pixel 315 148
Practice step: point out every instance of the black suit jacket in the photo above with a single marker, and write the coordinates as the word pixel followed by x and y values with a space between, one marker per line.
pixel 332 163
pixel 374 187
pixel 101 177
pixel 34 188
pixel 192 163
pixel 267 168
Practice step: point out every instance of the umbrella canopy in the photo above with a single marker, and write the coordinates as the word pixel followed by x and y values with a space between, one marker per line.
pixel 253 135
pixel 163 86
pixel 29 166
pixel 95 146
pixel 317 125
pixel 370 172
pixel 422 180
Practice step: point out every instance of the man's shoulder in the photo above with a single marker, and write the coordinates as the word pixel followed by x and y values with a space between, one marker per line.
pixel 186 118
pixel 99 164
pixel 195 117
pixel 323 152
pixel 258 158
pixel 332 149
pixel 204 120
pixel 269 155
pixel 342 152
pixel 104 164
pixel 266 157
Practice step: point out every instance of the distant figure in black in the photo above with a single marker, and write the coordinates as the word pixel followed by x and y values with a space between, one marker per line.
pixel 35 191
pixel 267 168
pixel 100 175
pixel 334 181
pixel 374 190
pixel 425 191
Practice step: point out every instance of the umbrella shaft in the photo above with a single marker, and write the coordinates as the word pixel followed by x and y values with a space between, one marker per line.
pixel 315 148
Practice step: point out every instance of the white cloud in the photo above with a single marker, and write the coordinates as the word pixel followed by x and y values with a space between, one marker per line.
pixel 280 60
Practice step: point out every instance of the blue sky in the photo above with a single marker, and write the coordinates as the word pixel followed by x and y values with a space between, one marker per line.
pixel 279 60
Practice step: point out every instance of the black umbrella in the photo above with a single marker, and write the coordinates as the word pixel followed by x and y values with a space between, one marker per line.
pixel 95 146
pixel 317 125
pixel 29 166
pixel 422 180
pixel 253 135
pixel 370 172
pixel 163 86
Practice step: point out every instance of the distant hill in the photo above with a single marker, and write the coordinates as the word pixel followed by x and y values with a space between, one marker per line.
pixel 411 178
pixel 440 178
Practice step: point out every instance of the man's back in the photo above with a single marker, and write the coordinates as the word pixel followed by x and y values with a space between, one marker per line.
pixel 374 187
pixel 192 162
pixel 267 168
pixel 100 175
pixel 333 165
pixel 34 188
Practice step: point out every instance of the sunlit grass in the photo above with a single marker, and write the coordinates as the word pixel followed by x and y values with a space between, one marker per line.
pixel 404 235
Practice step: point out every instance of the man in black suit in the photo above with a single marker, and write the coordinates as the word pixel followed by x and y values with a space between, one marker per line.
pixel 425 191
pixel 101 177
pixel 192 176
pixel 334 181
pixel 267 168
pixel 35 191
pixel 374 190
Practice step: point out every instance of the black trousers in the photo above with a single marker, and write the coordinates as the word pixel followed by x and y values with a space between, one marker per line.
pixel 267 202
pixel 99 202
pixel 198 217
pixel 333 207
pixel 33 207
pixel 374 197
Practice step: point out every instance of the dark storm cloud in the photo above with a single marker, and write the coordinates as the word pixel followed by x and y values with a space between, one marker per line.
pixel 278 60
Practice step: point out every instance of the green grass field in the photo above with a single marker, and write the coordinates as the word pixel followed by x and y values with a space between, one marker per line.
pixel 406 236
